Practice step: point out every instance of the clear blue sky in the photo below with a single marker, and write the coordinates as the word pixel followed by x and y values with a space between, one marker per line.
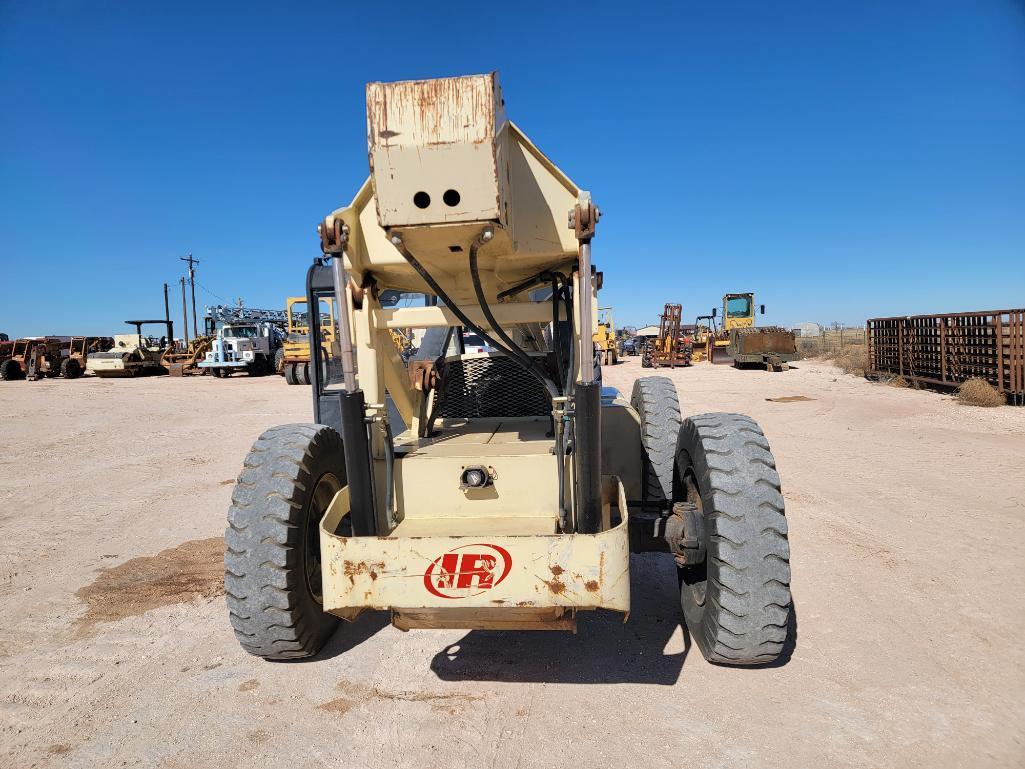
pixel 843 159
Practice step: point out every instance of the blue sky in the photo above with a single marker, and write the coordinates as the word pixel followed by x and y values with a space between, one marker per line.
pixel 843 159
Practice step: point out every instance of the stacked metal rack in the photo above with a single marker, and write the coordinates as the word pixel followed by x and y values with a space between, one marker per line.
pixel 947 349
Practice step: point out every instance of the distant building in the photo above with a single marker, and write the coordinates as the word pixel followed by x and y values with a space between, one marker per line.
pixel 807 329
pixel 648 331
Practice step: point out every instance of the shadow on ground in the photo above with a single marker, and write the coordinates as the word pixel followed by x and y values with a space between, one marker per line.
pixel 351 634
pixel 603 650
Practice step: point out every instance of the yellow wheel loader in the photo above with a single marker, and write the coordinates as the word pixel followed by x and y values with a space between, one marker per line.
pixel 516 489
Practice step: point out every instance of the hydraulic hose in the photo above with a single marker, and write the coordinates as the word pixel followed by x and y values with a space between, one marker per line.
pixel 570 372
pixel 513 350
pixel 556 333
pixel 440 292
pixel 389 471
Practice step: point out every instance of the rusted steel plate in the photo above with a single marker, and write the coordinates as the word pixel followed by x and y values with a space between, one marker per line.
pixel 578 571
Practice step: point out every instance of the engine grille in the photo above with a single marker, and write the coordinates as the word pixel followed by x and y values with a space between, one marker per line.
pixel 488 386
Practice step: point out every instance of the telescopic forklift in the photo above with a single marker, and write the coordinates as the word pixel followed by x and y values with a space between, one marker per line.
pixel 515 490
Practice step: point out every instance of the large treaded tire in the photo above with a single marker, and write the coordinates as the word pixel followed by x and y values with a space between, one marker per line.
pixel 71 368
pixel 737 603
pixel 279 361
pixel 655 400
pixel 10 370
pixel 271 558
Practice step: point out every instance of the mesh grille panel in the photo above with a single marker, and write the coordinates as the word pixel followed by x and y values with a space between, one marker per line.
pixel 489 386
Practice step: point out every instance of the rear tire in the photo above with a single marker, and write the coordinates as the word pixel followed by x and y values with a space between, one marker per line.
pixel 302 373
pixel 655 400
pixel 290 374
pixel 279 360
pixel 737 603
pixel 71 368
pixel 272 572
pixel 10 370
pixel 646 356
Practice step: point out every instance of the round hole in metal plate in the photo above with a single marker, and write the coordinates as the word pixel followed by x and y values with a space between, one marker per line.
pixel 421 199
pixel 451 198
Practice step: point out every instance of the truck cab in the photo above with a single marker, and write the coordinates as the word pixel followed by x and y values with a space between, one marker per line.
pixel 248 346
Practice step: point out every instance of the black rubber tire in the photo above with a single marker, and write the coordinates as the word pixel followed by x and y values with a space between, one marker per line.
pixel 646 356
pixel 71 368
pixel 737 603
pixel 302 373
pixel 10 370
pixel 272 525
pixel 279 361
pixel 290 374
pixel 655 400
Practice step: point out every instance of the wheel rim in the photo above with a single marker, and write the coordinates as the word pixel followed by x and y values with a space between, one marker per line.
pixel 327 486
pixel 695 578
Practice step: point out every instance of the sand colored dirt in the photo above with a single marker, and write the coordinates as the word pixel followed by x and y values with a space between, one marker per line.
pixel 906 514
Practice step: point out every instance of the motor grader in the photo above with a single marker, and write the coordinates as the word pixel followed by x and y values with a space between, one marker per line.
pixel 516 490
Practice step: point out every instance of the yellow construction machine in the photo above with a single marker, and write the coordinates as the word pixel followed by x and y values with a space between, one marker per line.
pixel 739 342
pixel 605 337
pixel 503 489
pixel 293 358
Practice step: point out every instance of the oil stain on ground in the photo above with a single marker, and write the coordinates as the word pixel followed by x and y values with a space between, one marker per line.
pixel 193 569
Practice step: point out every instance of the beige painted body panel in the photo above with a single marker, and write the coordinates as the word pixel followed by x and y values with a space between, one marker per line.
pixel 542 572
pixel 517 454
pixel 451 134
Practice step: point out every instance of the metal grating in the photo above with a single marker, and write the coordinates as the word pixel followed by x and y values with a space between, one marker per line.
pixel 948 349
pixel 488 386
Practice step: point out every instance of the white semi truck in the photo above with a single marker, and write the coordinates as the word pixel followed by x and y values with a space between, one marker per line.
pixel 248 346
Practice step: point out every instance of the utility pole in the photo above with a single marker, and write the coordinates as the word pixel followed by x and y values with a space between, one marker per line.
pixel 192 283
pixel 185 314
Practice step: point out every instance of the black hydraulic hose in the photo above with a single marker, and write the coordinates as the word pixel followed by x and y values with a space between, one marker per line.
pixel 571 369
pixel 389 471
pixel 513 350
pixel 440 292
pixel 557 334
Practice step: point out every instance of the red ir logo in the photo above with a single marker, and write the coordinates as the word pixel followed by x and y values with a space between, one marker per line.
pixel 467 570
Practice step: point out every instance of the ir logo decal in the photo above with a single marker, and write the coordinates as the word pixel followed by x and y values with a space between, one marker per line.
pixel 467 570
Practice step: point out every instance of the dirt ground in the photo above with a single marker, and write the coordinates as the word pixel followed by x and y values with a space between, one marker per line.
pixel 906 523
